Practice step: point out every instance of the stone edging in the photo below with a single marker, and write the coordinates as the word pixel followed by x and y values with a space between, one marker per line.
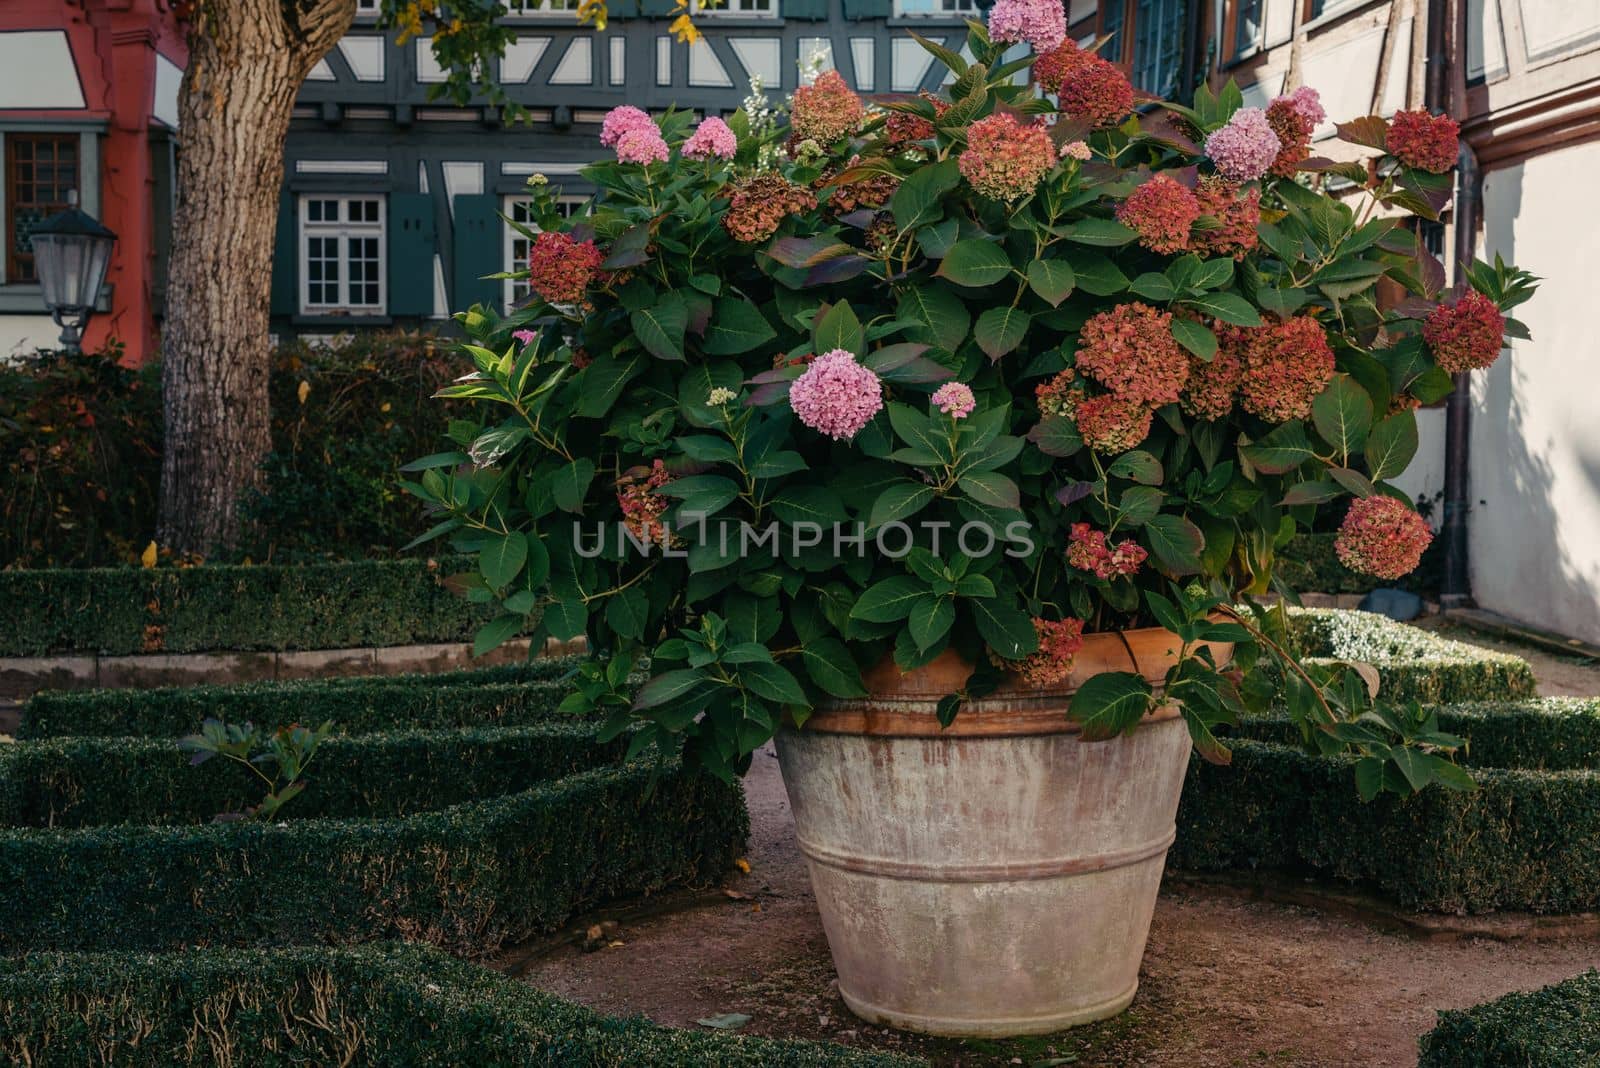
pixel 1351 904
pixel 21 677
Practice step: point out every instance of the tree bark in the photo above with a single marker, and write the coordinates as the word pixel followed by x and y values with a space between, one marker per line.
pixel 247 61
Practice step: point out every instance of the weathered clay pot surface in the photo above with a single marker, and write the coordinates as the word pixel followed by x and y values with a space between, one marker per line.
pixel 998 877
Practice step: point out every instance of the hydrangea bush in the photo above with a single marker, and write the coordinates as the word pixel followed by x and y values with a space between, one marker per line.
pixel 981 371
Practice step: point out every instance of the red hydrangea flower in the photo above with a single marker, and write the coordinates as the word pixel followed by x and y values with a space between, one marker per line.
pixel 1286 365
pixel 1212 385
pixel 641 504
pixel 1294 126
pixel 1088 87
pixel 825 110
pixel 1087 551
pixel 1131 351
pixel 1427 142
pixel 1467 335
pixel 1381 537
pixel 760 204
pixel 1057 396
pixel 1162 210
pixel 560 269
pixel 1005 159
pixel 1109 423
pixel 872 191
pixel 902 128
pixel 1238 214
pixel 1051 663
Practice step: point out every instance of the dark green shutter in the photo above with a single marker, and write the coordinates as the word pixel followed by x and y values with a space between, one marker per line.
pixel 411 249
pixel 286 258
pixel 868 9
pixel 655 9
pixel 623 9
pixel 809 10
pixel 478 248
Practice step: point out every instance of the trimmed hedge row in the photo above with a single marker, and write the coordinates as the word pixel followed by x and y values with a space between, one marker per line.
pixel 380 1006
pixel 117 611
pixel 1526 840
pixel 68 783
pixel 506 696
pixel 468 877
pixel 1558 1026
pixel 1412 662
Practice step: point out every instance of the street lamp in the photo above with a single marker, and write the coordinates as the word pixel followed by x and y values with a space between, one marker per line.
pixel 71 252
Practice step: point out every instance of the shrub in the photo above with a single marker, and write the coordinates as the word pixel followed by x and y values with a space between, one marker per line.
pixel 80 453
pixel 468 878
pixel 1413 663
pixel 508 696
pixel 1308 564
pixel 185 610
pixel 1556 1026
pixel 384 1006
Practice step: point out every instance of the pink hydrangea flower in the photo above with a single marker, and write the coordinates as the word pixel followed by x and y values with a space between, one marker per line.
pixel 825 110
pixel 1088 550
pixel 1130 350
pixel 642 145
pixel 1246 147
pixel 1006 159
pixel 1381 537
pixel 711 138
pixel 526 337
pixel 836 395
pixel 619 121
pixel 1308 102
pixel 955 399
pixel 1078 150
pixel 1042 23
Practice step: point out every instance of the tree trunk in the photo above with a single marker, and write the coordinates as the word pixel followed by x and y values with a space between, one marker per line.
pixel 246 63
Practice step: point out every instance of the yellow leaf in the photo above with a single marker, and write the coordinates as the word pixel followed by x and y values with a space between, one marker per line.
pixel 304 391
pixel 683 28
pixel 743 865
pixel 148 557
pixel 383 407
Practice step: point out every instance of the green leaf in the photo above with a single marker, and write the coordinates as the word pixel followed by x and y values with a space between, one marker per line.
pixel 668 687
pixel 737 326
pixel 916 201
pixel 1228 307
pixel 565 620
pixel 1110 703
pixel 1056 436
pixel 1342 414
pixel 1195 337
pixel 497 632
pixel 899 501
pixel 832 668
pixel 990 488
pixel 808 504
pixel 773 682
pixel 975 263
pixel 1153 286
pixel 1369 777
pixel 627 612
pixel 570 484
pixel 1052 280
pixel 944 317
pixel 1319 491
pixel 1106 232
pixel 1392 445
pixel 1176 543
pixel 890 600
pixel 1096 274
pixel 660 329
pixel 603 382
pixel 1139 505
pixel 931 619
pixel 1282 450
pixel 702 494
pixel 1000 330
pixel 501 560
pixel 1137 466
pixel 1006 628
pixel 838 328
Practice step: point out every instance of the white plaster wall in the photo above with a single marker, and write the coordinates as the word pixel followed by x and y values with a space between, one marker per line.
pixel 23 334
pixel 1535 520
pixel 1423 481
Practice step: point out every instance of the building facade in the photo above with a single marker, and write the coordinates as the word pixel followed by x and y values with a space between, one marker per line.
pixel 393 205
pixel 88 113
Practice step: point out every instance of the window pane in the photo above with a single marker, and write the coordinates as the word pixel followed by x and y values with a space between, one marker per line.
pixel 1158 40
pixel 41 180
pixel 1111 27
pixel 1247 33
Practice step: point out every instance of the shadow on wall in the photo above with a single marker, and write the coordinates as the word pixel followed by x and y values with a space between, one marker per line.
pixel 1535 520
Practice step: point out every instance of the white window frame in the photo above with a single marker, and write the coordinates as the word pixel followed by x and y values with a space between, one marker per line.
pixel 343 230
pixel 368 9
pixel 541 9
pixel 735 9
pixel 514 254
pixel 937 9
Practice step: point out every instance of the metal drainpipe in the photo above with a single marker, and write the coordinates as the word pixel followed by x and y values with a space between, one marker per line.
pixel 1457 585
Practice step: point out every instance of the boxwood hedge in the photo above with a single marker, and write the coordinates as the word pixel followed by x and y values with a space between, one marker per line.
pixel 467 877
pixel 385 1006
pixel 118 611
pixel 507 696
pixel 1414 663
pixel 1528 839
pixel 1558 1026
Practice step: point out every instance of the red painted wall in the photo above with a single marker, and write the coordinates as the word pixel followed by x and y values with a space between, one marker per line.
pixel 114 45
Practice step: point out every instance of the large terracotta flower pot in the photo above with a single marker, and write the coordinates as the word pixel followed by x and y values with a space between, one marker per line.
pixel 997 877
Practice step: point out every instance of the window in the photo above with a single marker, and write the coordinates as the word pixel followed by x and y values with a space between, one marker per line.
pixel 939 9
pixel 1244 26
pixel 342 251
pixel 1145 39
pixel 759 9
pixel 367 7
pixel 41 180
pixel 536 8
pixel 1315 9
pixel 517 209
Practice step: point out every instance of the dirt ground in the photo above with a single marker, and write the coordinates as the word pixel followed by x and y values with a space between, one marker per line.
pixel 1225 981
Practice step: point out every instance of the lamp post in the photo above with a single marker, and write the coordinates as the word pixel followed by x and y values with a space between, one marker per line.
pixel 71 252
